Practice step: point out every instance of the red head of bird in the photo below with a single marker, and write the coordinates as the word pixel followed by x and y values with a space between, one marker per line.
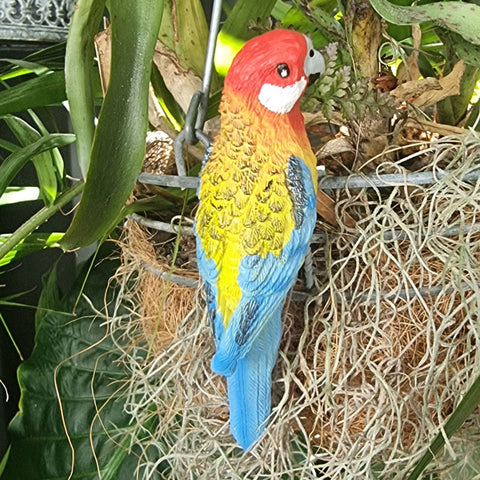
pixel 273 70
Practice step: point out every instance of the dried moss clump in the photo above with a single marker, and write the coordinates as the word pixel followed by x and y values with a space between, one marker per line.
pixel 370 365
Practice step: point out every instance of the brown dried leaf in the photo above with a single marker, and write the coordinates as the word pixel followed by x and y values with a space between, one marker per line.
pixel 414 88
pixel 326 209
pixel 434 127
pixel 181 83
pixel 336 146
pixel 450 85
pixel 410 70
pixel 103 48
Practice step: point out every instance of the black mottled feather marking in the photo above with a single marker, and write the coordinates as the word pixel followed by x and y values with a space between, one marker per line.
pixel 248 314
pixel 208 152
pixel 210 297
pixel 297 190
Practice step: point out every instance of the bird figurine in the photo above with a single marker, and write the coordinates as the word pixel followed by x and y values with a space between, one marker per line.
pixel 256 216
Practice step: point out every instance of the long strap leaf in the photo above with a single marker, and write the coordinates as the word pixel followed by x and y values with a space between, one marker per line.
pixel 42 162
pixel 14 162
pixel 79 73
pixel 38 219
pixel 119 144
pixel 48 89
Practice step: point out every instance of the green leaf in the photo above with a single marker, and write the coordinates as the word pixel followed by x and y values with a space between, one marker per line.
pixel 14 162
pixel 184 30
pixel 19 194
pixel 10 336
pixel 79 74
pixel 296 18
pixel 33 243
pixel 466 406
pixel 48 89
pixel 72 383
pixel 24 67
pixel 235 31
pixel 213 104
pixel 280 9
pixel 57 159
pixel 49 297
pixel 460 17
pixel 4 461
pixel 42 162
pixel 9 146
pixel 51 57
pixel 149 204
pixel 38 219
pixel 324 22
pixel 469 53
pixel 167 102
pixel 119 145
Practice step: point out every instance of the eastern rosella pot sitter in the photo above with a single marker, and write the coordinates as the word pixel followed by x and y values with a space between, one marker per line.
pixel 256 216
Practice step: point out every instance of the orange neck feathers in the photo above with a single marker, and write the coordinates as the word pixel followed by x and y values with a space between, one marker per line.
pixel 244 119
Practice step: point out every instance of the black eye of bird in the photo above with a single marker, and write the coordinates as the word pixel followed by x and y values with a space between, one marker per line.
pixel 311 52
pixel 283 70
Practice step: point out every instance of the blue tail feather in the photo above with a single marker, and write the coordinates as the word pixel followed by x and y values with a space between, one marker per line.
pixel 249 387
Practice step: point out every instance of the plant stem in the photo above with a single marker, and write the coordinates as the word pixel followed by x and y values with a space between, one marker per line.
pixel 39 218
pixel 9 333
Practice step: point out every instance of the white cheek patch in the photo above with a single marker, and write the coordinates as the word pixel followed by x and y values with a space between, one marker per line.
pixel 281 99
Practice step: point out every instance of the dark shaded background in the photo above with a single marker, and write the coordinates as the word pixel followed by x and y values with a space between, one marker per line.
pixel 25 275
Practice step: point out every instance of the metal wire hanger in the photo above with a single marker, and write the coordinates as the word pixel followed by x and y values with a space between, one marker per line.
pixel 192 132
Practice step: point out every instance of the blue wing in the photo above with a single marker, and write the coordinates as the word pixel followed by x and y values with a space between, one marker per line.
pixel 266 281
pixel 247 349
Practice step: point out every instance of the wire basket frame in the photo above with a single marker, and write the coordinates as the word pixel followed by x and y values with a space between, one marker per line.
pixel 35 21
pixel 372 361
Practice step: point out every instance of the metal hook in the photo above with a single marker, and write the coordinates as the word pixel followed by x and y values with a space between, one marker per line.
pixel 197 110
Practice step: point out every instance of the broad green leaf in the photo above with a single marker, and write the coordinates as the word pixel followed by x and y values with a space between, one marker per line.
pixel 460 17
pixel 33 243
pixel 73 383
pixel 280 9
pixel 79 73
pixel 42 162
pixel 467 405
pixel 14 162
pixel 119 145
pixel 19 194
pixel 48 89
pixel 467 52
